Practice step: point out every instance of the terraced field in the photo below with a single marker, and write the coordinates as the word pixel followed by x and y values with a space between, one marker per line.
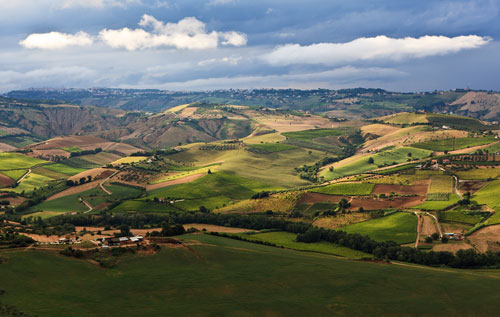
pixel 12 161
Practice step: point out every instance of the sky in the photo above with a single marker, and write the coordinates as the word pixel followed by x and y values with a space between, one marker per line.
pixel 397 45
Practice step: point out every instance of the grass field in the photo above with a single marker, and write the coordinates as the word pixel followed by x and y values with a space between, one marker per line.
pixel 14 174
pixel 454 144
pixel 203 170
pixel 43 214
pixel 275 169
pixel 240 278
pixel 460 216
pixel 490 195
pixel 438 205
pixel 400 227
pixel 407 118
pixel 309 135
pixel 64 169
pixel 479 173
pixel 389 157
pixel 287 240
pixel 129 159
pixel 265 138
pixel 72 149
pixel 11 161
pixel 94 197
pixel 440 184
pixel 271 147
pixel 347 189
pixel 212 191
pixel 79 162
pixel 51 174
pixel 30 182
pixel 140 206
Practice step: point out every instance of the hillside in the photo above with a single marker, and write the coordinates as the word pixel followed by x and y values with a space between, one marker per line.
pixel 357 103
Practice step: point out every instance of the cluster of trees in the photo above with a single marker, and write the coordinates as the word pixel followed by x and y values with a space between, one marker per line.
pixel 260 195
pixel 392 251
pixel 14 240
pixel 218 147
pixel 310 172
pixel 85 152
pixel 155 152
pixel 82 181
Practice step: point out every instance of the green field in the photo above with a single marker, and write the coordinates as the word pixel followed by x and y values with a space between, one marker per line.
pixel 438 205
pixel 14 174
pixel 454 144
pixel 79 162
pixel 460 216
pixel 287 240
pixel 479 173
pixel 309 135
pixel 270 147
pixel 12 161
pixel 140 206
pixel 225 277
pixel 346 189
pixel 72 149
pixel 95 197
pixel 64 169
pixel 102 158
pixel 212 191
pixel 385 158
pixel 276 169
pixel 30 182
pixel 400 227
pixel 490 195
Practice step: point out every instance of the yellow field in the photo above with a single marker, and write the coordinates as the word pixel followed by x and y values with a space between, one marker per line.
pixel 176 109
pixel 203 170
pixel 266 138
pixel 406 118
pixel 129 159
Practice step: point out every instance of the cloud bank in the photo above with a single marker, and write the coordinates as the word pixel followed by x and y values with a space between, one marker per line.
pixel 56 40
pixel 189 33
pixel 372 48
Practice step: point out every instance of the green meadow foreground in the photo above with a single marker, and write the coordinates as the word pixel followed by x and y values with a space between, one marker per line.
pixel 219 276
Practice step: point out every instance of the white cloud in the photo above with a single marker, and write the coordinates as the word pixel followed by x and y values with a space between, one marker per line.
pixel 189 33
pixel 374 48
pixel 98 3
pixel 220 2
pixel 56 40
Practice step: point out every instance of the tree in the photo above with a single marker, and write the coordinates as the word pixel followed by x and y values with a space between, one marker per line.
pixel 435 236
pixel 89 178
pixel 428 240
pixel 344 204
pixel 209 171
pixel 125 230
pixel 69 182
pixel 444 240
pixel 330 168
pixel 82 180
pixel 409 154
pixel 371 160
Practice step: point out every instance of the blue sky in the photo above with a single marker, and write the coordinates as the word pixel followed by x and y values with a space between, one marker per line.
pixel 197 45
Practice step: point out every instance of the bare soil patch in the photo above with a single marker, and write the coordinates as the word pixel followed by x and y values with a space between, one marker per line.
pixel 451 247
pixel 311 198
pixel 213 228
pixel 487 238
pixel 428 226
pixel 74 190
pixel 99 173
pixel 6 147
pixel 369 203
pixel 183 180
pixel 65 141
pixel 48 153
pixel 400 189
pixel 124 148
pixel 5 181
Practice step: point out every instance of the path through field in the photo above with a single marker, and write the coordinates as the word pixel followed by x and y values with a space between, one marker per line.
pixel 88 206
pixel 24 176
pixel 104 181
pixel 455 188
pixel 438 226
